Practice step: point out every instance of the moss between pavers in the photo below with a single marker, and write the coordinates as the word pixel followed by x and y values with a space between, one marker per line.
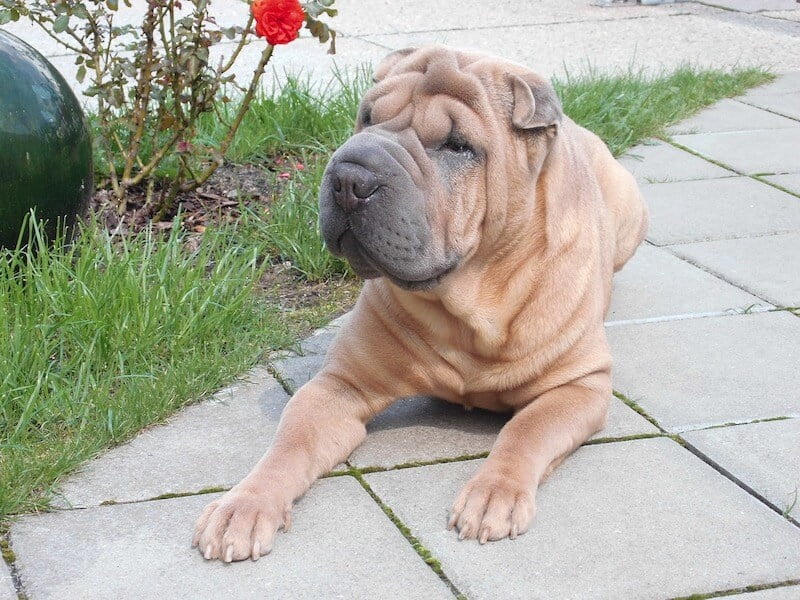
pixel 741 590
pixel 421 463
pixel 5 550
pixel 419 548
pixel 777 186
pixel 625 438
pixel 705 158
pixel 735 423
pixel 638 409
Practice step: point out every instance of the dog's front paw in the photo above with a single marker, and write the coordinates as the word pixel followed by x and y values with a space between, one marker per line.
pixel 492 507
pixel 240 525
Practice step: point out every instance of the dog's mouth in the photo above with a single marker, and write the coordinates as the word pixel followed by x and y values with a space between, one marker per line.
pixel 368 267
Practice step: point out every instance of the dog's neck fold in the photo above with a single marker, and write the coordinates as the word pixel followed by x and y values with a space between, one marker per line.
pixel 486 296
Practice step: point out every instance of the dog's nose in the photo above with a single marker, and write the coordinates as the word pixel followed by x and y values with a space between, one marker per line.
pixel 352 185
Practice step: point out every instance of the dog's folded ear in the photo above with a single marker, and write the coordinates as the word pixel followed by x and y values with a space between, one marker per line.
pixel 536 104
pixel 389 61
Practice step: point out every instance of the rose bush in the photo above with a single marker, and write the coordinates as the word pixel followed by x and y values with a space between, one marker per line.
pixel 152 82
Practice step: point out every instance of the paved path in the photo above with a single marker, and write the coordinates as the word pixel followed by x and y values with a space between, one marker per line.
pixel 693 492
pixel 550 36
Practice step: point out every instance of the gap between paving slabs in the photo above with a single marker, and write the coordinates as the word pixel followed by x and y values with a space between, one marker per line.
pixel 434 562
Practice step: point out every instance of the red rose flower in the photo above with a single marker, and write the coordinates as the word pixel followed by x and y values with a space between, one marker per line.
pixel 278 20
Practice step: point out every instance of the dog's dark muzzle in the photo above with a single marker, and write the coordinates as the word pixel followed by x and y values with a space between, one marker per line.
pixel 373 213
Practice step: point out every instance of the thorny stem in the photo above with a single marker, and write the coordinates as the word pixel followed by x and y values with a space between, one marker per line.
pixel 142 101
pixel 239 46
pixel 223 147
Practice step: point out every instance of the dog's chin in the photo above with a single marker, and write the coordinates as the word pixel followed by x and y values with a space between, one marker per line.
pixel 366 267
pixel 422 285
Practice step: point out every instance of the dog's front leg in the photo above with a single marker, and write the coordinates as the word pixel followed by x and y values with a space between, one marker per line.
pixel 499 501
pixel 320 426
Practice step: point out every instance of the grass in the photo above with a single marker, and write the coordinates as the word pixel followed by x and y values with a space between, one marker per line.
pixel 104 337
pixel 625 109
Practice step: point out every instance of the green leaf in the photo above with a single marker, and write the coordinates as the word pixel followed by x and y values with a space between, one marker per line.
pixel 81 74
pixel 112 4
pixel 5 17
pixel 61 23
pixel 80 11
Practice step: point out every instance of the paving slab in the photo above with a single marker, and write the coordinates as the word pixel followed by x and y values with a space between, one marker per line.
pixel 340 545
pixel 638 519
pixel 765 456
pixel 658 162
pixel 766 266
pixel 787 105
pixel 295 371
pixel 790 15
pixel 7 591
pixel 695 373
pixel 749 152
pixel 303 58
pixel 713 209
pixel 655 283
pixel 790 181
pixel 207 445
pixel 731 115
pixel 386 16
pixel 786 83
pixel 424 429
pixel 788 592
pixel 652 43
pixel 782 96
pixel 751 6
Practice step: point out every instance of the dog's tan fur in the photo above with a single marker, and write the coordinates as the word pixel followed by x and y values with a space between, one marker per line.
pixel 541 224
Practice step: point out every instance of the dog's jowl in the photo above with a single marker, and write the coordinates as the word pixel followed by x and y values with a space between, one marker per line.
pixel 488 226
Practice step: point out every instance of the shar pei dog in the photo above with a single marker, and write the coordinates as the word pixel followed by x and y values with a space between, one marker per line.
pixel 488 227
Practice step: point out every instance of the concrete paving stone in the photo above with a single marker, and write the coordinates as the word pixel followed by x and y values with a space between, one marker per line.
pixel 787 104
pixel 786 83
pixel 658 162
pixel 207 445
pixel 639 519
pixel 340 545
pixel 790 15
pixel 694 373
pixel 304 58
pixel 655 283
pixel 226 14
pixel 712 209
pixel 651 43
pixel 764 456
pixel 749 152
pixel 295 371
pixel 752 6
pixel 731 115
pixel 7 591
pixel 424 429
pixel 409 16
pixel 790 181
pixel 788 592
pixel 767 266
pixel 781 96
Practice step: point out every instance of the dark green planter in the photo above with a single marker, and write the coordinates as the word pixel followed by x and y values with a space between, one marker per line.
pixel 45 149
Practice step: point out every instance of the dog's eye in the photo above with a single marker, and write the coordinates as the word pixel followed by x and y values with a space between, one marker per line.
pixel 366 117
pixel 458 145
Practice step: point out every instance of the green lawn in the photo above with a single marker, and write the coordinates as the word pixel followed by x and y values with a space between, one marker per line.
pixel 104 337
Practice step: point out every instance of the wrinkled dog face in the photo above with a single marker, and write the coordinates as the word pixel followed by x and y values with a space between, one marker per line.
pixel 406 196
